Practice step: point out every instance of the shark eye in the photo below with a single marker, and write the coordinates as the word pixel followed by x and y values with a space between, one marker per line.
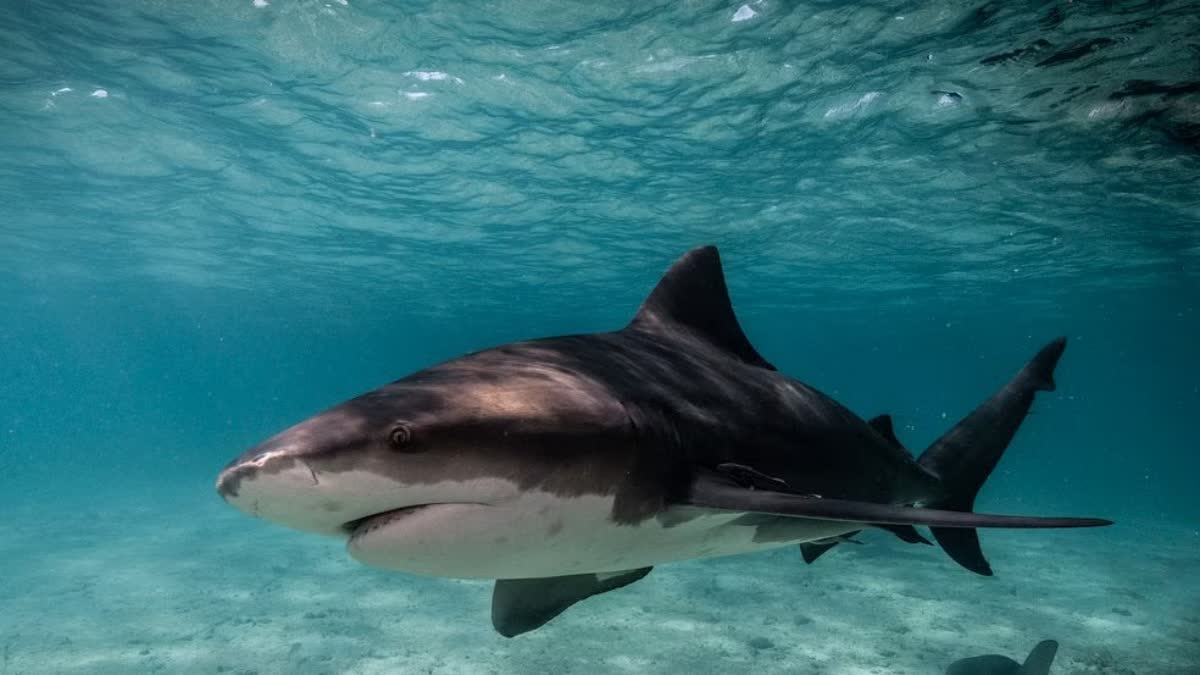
pixel 400 436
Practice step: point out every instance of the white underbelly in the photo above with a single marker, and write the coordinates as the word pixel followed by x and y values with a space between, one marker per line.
pixel 540 534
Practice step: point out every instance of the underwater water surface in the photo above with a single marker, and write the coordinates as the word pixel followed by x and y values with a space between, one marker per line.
pixel 219 218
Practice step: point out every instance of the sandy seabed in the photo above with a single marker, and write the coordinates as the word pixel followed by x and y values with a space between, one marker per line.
pixel 202 589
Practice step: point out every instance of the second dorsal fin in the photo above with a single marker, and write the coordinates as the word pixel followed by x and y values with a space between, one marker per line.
pixel 692 297
pixel 882 425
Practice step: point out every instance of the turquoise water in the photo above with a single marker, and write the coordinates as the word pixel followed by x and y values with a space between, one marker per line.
pixel 217 219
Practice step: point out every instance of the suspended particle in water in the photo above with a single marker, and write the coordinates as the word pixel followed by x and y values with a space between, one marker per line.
pixel 744 13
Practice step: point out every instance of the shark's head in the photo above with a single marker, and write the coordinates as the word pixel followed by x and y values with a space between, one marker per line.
pixel 476 430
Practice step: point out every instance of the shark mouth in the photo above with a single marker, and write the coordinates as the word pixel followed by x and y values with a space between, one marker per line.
pixel 361 526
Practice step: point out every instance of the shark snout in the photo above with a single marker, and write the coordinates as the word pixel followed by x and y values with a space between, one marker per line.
pixel 276 482
pixel 307 479
pixel 228 481
pixel 272 456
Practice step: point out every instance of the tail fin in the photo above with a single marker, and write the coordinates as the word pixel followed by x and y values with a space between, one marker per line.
pixel 964 457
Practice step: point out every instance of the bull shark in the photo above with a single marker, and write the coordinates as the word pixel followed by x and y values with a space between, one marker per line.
pixel 566 467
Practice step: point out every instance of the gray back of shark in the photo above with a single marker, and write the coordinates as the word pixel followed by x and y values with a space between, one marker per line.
pixel 1037 663
pixel 566 467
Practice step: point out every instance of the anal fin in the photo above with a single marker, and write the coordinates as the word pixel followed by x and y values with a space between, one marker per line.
pixel 522 605
pixel 907 534
pixel 813 549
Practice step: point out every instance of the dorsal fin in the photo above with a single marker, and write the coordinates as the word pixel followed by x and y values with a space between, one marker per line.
pixel 883 426
pixel 692 297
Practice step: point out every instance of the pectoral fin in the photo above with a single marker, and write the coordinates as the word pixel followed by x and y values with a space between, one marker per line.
pixel 1039 660
pixel 522 605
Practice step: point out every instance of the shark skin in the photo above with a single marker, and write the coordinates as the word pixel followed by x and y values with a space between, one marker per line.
pixel 566 467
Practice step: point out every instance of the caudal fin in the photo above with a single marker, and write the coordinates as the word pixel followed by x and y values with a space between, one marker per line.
pixel 964 457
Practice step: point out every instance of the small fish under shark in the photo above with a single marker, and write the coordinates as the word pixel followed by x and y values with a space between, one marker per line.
pixel 566 467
